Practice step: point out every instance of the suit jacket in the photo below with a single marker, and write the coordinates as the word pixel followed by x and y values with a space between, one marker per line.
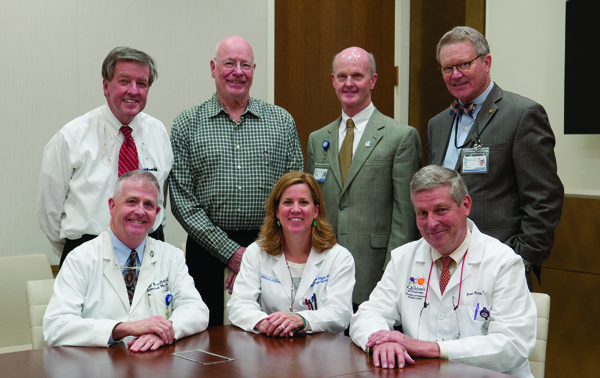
pixel 520 200
pixel 371 213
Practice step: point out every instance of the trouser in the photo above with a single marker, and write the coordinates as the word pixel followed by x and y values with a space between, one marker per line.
pixel 207 272
pixel 71 244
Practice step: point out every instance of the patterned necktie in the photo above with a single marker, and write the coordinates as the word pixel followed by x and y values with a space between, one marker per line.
pixel 445 277
pixel 457 107
pixel 131 275
pixel 346 150
pixel 128 156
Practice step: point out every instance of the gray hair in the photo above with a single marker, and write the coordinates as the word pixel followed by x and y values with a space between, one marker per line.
pixel 464 34
pixel 127 54
pixel 370 58
pixel 141 176
pixel 217 51
pixel 434 176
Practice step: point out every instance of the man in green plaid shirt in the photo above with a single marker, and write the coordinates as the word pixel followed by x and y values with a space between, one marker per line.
pixel 228 154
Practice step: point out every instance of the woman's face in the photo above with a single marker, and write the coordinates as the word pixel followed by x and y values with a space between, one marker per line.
pixel 296 210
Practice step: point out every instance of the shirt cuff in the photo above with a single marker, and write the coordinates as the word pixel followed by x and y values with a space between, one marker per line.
pixel 443 350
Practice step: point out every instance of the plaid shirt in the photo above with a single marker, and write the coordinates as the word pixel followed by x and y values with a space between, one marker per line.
pixel 224 171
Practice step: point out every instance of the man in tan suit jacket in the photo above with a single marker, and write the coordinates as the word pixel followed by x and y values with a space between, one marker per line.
pixel 370 210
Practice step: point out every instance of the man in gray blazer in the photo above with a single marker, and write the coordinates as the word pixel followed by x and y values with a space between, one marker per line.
pixel 503 148
pixel 364 162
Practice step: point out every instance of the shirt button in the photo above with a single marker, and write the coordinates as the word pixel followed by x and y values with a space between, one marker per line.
pixel 238 146
pixel 239 188
pixel 440 316
pixel 239 167
pixel 239 210
pixel 237 127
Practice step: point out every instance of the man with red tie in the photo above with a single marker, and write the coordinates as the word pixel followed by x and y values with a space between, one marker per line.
pixel 84 159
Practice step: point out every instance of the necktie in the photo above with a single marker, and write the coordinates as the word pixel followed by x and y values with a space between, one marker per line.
pixel 457 107
pixel 128 156
pixel 130 275
pixel 445 276
pixel 346 150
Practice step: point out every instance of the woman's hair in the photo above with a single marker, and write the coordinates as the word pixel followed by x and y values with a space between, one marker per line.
pixel 270 238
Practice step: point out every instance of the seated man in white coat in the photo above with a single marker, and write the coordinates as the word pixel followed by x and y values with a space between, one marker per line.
pixel 458 294
pixel 123 283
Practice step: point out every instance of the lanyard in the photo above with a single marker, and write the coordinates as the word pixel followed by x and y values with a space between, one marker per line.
pixel 477 142
pixel 425 304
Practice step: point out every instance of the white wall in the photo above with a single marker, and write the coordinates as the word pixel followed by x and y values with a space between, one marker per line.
pixel 51 54
pixel 527 43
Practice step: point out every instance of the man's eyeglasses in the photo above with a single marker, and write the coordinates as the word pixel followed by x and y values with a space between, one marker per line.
pixel 461 67
pixel 230 64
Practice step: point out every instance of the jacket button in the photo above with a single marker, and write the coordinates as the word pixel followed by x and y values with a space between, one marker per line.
pixel 342 207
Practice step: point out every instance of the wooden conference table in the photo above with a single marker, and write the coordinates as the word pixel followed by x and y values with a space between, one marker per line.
pixel 319 355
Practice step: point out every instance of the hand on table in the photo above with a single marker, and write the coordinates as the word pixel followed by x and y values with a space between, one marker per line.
pixel 146 342
pixel 156 324
pixel 386 354
pixel 279 324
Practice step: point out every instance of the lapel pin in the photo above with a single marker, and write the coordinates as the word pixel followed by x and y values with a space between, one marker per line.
pixel 368 143
pixel 151 253
pixel 325 145
pixel 491 111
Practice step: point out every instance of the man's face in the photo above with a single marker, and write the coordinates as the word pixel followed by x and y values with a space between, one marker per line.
pixel 134 212
pixel 441 222
pixel 352 80
pixel 233 83
pixel 465 86
pixel 126 93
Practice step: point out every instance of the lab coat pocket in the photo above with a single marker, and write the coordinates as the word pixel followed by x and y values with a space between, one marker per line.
pixel 478 320
pixel 162 303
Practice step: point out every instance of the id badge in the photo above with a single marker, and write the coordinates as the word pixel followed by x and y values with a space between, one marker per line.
pixel 475 160
pixel 320 174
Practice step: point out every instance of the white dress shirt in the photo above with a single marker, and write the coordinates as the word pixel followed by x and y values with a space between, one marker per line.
pixel 360 123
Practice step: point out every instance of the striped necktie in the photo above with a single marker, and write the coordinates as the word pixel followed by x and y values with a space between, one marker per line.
pixel 128 156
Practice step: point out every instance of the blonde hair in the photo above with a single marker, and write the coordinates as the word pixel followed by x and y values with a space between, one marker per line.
pixel 270 238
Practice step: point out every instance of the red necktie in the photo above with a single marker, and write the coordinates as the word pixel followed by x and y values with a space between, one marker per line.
pixel 445 276
pixel 128 156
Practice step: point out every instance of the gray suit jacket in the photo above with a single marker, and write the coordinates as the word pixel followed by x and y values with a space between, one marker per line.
pixel 520 200
pixel 371 213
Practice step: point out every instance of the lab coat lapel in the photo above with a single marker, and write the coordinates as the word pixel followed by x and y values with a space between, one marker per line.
pixel 424 257
pixel 146 274
pixel 111 270
pixel 311 271
pixel 282 273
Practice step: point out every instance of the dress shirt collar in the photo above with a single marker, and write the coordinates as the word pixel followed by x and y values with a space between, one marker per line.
pixel 360 120
pixel 114 124
pixel 458 254
pixel 479 100
pixel 122 251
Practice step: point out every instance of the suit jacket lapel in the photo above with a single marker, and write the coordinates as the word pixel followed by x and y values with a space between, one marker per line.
pixel 333 150
pixel 373 134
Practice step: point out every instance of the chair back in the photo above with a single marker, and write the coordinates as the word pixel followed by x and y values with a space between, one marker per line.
pixel 15 271
pixel 537 359
pixel 38 296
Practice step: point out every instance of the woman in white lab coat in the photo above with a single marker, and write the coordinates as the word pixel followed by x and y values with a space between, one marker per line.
pixel 295 278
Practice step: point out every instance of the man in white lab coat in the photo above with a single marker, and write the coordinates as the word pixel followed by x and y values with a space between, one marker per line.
pixel 124 284
pixel 458 294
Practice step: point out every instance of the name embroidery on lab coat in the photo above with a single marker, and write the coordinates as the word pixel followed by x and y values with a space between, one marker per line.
pixel 269 278
pixel 320 280
pixel 159 285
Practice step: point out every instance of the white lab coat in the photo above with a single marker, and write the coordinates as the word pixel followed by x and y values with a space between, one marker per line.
pixel 90 296
pixel 263 286
pixel 493 277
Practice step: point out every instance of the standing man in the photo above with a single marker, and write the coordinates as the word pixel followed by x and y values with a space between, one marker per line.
pixel 83 160
pixel 502 145
pixel 229 152
pixel 124 284
pixel 459 294
pixel 364 162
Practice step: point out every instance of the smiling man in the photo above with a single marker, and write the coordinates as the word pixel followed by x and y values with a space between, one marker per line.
pixel 229 152
pixel 124 285
pixel 363 162
pixel 83 160
pixel 502 145
pixel 458 293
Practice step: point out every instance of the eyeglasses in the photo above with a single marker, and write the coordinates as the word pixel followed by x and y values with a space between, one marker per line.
pixel 461 67
pixel 230 64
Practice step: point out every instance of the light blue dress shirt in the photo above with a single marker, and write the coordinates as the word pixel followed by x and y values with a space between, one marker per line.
pixel 465 122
